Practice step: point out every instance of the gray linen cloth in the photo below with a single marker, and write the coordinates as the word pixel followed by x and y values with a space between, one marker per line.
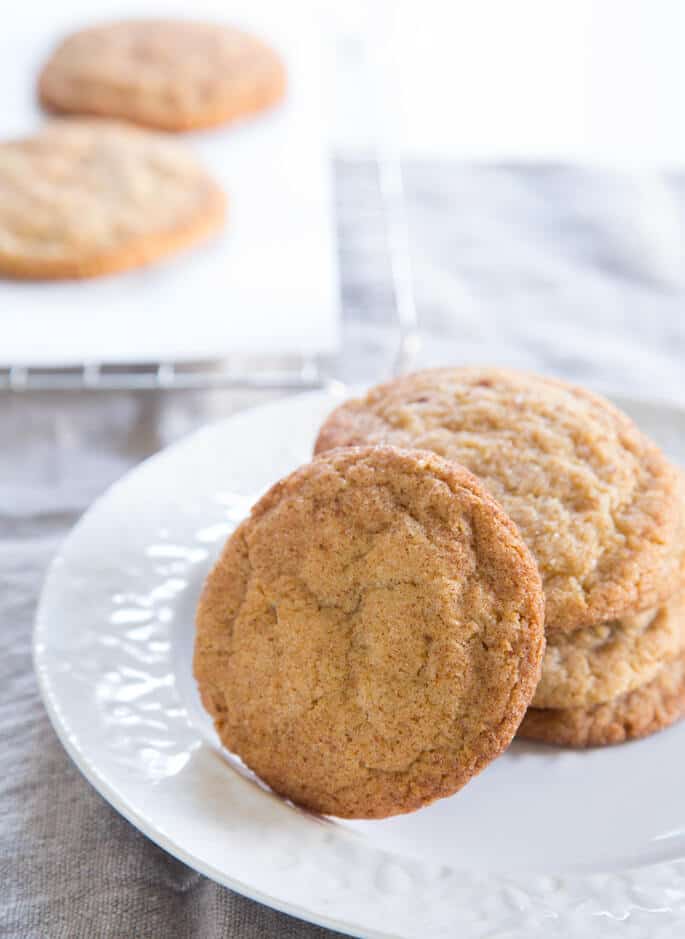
pixel 552 268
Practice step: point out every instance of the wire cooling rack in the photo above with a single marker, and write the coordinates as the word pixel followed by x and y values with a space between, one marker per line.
pixel 287 373
pixel 157 376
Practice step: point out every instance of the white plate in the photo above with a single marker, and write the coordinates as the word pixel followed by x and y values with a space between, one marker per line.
pixel 545 842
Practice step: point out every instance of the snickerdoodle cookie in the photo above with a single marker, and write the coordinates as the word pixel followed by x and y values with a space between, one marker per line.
pixel 372 634
pixel 83 198
pixel 595 664
pixel 172 75
pixel 644 710
pixel 597 502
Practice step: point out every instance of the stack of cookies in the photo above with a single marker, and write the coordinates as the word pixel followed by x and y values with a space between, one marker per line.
pixel 601 509
pixel 374 634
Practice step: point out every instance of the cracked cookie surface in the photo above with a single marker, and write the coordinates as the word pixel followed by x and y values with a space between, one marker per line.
pixel 644 710
pixel 597 502
pixel 372 634
pixel 597 663
pixel 162 73
pixel 84 198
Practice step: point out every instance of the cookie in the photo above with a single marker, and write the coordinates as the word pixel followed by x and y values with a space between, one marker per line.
pixel 84 198
pixel 640 712
pixel 171 75
pixel 598 503
pixel 372 633
pixel 595 664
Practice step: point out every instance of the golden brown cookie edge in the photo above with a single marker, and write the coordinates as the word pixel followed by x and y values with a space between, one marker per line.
pixel 643 711
pixel 668 644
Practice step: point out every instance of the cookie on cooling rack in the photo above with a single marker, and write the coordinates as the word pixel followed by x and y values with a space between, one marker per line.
pixel 171 75
pixel 85 198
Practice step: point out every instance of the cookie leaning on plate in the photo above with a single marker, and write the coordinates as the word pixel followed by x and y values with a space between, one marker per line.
pixel 171 75
pixel 372 634
pixel 84 198
pixel 598 503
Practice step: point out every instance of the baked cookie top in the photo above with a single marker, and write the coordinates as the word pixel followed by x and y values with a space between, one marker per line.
pixel 372 633
pixel 82 198
pixel 172 75
pixel 598 503
pixel 597 663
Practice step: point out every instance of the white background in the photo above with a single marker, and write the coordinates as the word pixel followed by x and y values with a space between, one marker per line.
pixel 590 80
